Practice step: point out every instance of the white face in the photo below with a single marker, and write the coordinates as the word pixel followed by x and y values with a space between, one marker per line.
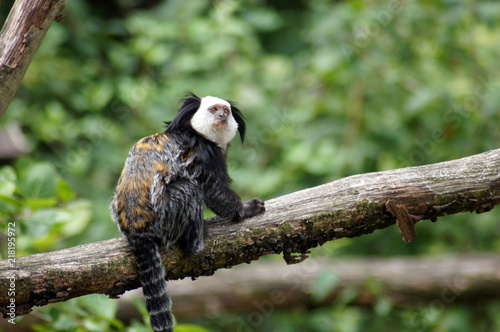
pixel 214 121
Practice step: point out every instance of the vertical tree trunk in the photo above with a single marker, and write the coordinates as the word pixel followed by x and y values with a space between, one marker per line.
pixel 20 38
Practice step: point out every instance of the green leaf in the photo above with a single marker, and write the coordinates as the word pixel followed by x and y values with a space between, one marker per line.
pixel 100 95
pixel 41 203
pixel 383 306
pixel 11 201
pixel 7 181
pixel 65 323
pixel 79 217
pixel 39 181
pixel 98 304
pixel 64 191
pixel 190 328
pixel 41 222
pixel 323 285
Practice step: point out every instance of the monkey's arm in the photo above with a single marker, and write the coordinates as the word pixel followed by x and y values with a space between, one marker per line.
pixel 227 203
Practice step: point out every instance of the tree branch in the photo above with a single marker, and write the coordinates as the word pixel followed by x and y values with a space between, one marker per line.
pixel 293 223
pixel 20 38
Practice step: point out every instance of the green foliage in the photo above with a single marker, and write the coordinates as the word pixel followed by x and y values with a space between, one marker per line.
pixel 88 313
pixel 329 89
pixel 39 205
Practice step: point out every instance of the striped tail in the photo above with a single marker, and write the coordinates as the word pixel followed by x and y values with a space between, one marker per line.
pixel 154 286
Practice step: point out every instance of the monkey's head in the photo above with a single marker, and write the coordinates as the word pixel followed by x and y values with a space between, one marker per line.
pixel 215 119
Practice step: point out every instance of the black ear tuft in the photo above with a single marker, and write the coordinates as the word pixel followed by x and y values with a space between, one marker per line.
pixel 240 120
pixel 189 106
pixel 190 99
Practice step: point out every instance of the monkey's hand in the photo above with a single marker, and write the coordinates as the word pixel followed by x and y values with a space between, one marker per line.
pixel 252 208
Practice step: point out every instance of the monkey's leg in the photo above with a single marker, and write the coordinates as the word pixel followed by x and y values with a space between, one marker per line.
pixel 192 240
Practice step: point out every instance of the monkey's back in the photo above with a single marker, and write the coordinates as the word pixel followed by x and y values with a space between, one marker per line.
pixel 156 188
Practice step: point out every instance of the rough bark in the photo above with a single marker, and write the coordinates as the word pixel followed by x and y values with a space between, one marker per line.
pixel 20 38
pixel 293 223
pixel 268 286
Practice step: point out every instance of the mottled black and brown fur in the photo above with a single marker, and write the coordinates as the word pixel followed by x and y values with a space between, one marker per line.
pixel 159 199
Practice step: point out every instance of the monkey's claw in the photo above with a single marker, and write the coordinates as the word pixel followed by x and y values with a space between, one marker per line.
pixel 253 207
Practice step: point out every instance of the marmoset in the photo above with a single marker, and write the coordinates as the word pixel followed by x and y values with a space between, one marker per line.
pixel 166 178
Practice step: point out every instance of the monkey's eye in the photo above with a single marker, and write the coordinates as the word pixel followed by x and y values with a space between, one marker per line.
pixel 213 110
pixel 226 110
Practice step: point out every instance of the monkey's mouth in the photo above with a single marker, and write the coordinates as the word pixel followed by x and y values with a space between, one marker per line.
pixel 220 123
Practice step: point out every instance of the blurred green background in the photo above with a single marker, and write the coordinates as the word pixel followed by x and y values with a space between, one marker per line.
pixel 329 89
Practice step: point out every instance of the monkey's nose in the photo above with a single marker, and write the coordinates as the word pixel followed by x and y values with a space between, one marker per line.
pixel 221 115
